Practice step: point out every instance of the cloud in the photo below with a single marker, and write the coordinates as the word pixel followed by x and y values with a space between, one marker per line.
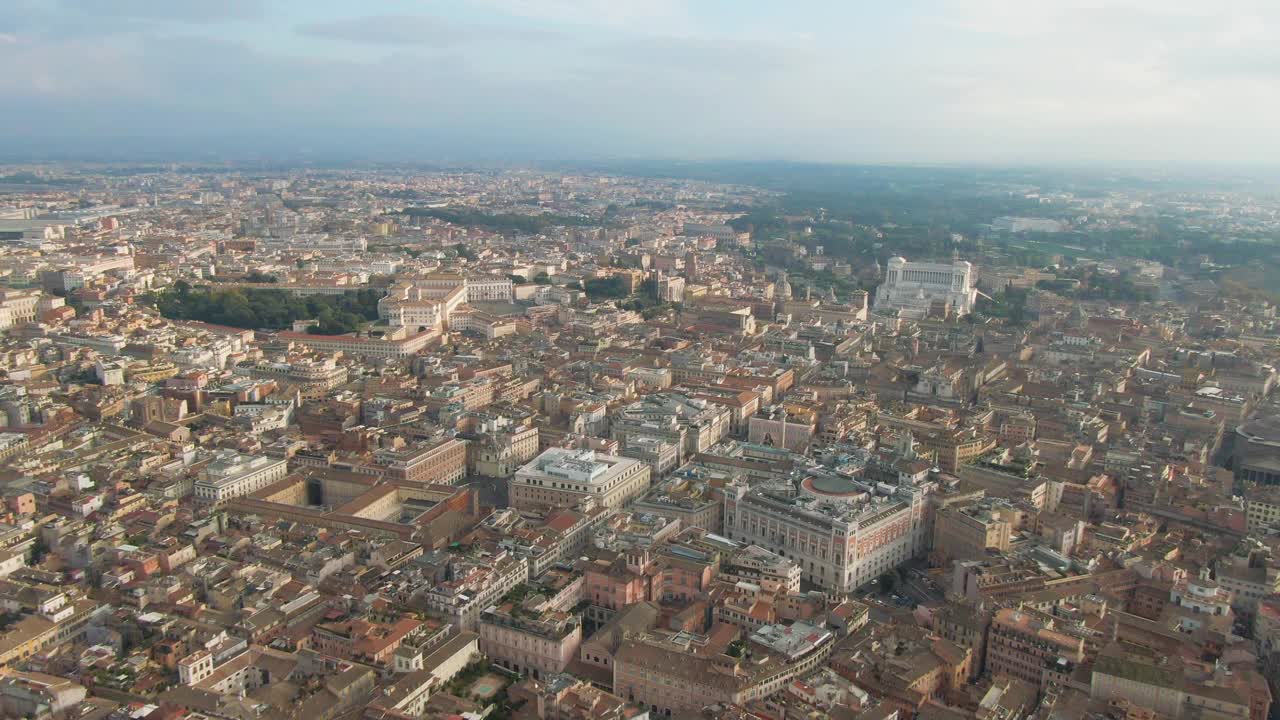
pixel 947 80
pixel 669 15
pixel 386 30
pixel 1111 66
pixel 188 11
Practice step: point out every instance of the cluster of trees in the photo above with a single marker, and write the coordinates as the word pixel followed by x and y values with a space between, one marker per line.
pixel 1029 257
pixel 763 223
pixel 255 276
pixel 501 222
pixel 610 288
pixel 1249 286
pixel 1098 286
pixel 654 204
pixel 264 309
pixel 30 178
pixel 917 209
pixel 647 305
pixel 539 279
pixel 849 235
pixel 1010 305
pixel 1060 286
pixel 1116 287
pixel 650 313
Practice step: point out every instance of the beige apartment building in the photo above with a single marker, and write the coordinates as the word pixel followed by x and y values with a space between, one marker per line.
pixel 967 532
pixel 673 673
pixel 444 463
pixel 539 644
pixel 1023 644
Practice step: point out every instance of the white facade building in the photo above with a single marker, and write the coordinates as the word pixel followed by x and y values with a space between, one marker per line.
pixel 109 373
pixel 489 287
pixel 563 478
pixel 842 534
pixel 230 475
pixel 911 287
pixel 420 305
pixel 18 306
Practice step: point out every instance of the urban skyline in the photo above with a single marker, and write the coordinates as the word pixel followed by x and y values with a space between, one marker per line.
pixel 639 360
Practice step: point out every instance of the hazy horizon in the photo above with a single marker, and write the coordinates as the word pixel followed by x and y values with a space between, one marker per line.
pixel 1104 82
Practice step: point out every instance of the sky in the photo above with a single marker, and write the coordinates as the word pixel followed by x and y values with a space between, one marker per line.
pixel 1079 82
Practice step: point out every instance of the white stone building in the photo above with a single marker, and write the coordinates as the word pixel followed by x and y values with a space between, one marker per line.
pixel 230 475
pixel 564 478
pixel 911 288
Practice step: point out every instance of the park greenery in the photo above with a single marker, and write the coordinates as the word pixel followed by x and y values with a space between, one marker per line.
pixel 500 222
pixel 860 213
pixel 255 276
pixel 30 178
pixel 1009 306
pixel 268 309
pixel 609 288
pixel 464 252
